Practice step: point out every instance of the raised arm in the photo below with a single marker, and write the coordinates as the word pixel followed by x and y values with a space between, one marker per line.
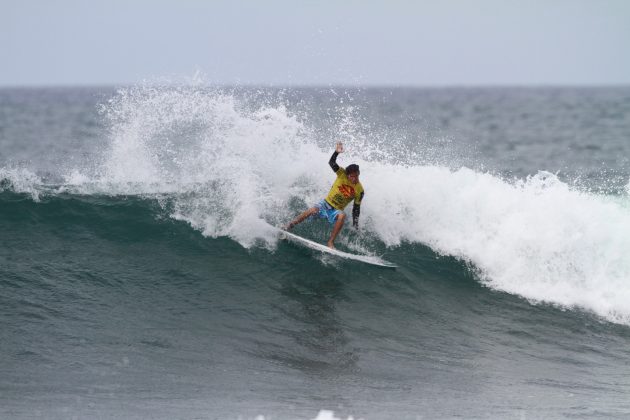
pixel 333 159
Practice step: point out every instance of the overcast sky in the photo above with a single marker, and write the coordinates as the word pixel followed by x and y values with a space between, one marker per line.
pixel 300 42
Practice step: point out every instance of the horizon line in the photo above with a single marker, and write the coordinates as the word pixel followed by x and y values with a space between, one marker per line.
pixel 318 85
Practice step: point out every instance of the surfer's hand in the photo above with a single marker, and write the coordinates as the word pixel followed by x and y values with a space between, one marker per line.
pixel 339 148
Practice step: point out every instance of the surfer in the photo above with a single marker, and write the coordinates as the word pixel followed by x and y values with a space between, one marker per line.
pixel 345 189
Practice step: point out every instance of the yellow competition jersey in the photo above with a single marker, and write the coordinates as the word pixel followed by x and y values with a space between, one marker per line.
pixel 343 191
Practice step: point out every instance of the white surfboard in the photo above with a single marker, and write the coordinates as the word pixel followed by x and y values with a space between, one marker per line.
pixel 368 259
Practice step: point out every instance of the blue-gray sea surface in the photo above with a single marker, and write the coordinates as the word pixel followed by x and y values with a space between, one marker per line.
pixel 141 277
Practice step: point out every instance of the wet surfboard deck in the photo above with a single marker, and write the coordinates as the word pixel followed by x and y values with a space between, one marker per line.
pixel 367 259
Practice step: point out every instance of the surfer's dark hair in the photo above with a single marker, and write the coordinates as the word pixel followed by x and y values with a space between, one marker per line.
pixel 350 169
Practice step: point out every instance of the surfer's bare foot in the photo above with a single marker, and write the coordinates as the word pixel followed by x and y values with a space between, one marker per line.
pixel 331 245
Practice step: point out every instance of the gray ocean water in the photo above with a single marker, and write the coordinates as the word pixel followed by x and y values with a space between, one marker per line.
pixel 140 277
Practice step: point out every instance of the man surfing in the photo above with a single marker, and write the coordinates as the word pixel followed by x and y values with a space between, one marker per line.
pixel 345 189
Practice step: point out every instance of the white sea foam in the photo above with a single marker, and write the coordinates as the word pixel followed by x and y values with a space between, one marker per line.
pixel 537 238
pixel 329 415
pixel 230 170
pixel 322 415
pixel 20 180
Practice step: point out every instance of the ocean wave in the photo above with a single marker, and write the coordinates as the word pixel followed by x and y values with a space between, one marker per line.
pixel 232 170
pixel 21 180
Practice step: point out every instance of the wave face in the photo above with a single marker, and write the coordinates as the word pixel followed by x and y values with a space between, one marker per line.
pixel 172 205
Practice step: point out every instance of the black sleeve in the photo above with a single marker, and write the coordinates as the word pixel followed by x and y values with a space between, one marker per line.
pixel 356 210
pixel 333 162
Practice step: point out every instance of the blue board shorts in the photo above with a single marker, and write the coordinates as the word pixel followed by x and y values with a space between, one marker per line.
pixel 326 211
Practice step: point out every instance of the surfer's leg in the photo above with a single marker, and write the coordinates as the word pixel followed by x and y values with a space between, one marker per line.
pixel 341 218
pixel 308 213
